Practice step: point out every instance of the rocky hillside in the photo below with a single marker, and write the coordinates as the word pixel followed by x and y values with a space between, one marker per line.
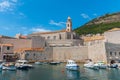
pixel 100 24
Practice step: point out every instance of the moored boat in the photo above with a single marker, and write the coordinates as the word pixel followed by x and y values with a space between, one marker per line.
pixel 54 63
pixel 9 67
pixel 101 65
pixel 23 64
pixel 72 65
pixel 91 65
pixel 38 63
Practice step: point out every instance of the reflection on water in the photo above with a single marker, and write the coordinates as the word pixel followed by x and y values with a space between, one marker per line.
pixel 73 75
pixel 13 75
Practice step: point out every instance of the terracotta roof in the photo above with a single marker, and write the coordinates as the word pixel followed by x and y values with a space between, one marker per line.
pixel 92 38
pixel 6 45
pixel 29 49
pixel 23 37
pixel 50 32
pixel 113 29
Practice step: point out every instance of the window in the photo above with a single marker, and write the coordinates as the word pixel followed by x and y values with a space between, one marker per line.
pixel 110 53
pixel 27 54
pixel 115 53
pixel 8 48
pixel 68 25
pixel 34 54
pixel 48 37
pixel 54 37
pixel 60 36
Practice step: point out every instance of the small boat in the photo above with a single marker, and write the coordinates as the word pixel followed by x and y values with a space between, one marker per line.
pixel 23 64
pixel 38 63
pixel 8 66
pixel 101 65
pixel 91 65
pixel 113 65
pixel 54 63
pixel 71 65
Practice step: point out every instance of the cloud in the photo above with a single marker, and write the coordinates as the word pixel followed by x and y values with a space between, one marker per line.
pixel 7 5
pixel 52 22
pixel 85 16
pixel 22 14
pixel 14 1
pixel 40 30
pixel 94 14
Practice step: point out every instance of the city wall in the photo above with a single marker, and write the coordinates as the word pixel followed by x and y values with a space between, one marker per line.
pixel 77 53
pixel 97 52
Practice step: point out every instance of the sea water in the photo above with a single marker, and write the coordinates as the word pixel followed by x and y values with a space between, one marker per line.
pixel 58 72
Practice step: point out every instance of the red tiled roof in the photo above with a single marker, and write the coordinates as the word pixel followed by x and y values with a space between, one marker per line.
pixel 92 38
pixel 50 32
pixel 6 45
pixel 29 49
pixel 23 37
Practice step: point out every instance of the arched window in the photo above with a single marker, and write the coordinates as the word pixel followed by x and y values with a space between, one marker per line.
pixel 68 25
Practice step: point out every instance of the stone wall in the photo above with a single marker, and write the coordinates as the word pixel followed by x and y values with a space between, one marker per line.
pixel 64 53
pixel 113 51
pixel 5 50
pixel 45 55
pixel 38 42
pixel 33 42
pixel 18 43
pixel 112 37
pixel 97 52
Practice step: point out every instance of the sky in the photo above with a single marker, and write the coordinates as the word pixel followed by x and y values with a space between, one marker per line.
pixel 29 16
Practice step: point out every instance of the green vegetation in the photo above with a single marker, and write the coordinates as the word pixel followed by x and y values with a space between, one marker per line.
pixel 96 28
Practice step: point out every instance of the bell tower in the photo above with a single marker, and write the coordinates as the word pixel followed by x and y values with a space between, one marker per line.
pixel 69 25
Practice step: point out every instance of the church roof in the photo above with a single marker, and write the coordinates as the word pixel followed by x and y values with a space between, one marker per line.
pixel 93 38
pixel 29 49
pixel 50 32
pixel 113 29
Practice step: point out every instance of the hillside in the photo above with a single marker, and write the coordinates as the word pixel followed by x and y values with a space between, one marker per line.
pixel 100 25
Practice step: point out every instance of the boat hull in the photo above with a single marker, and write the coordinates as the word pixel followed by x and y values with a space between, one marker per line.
pixel 72 67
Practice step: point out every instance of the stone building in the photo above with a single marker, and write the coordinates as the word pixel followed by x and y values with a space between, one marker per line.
pixel 65 44
pixel 34 54
pixel 112 44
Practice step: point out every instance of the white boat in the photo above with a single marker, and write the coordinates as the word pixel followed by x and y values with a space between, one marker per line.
pixel 23 64
pixel 91 65
pixel 101 65
pixel 8 66
pixel 38 63
pixel 71 65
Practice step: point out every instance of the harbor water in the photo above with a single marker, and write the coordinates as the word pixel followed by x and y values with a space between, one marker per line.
pixel 58 72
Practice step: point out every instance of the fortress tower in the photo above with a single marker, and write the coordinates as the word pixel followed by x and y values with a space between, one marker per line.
pixel 69 25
